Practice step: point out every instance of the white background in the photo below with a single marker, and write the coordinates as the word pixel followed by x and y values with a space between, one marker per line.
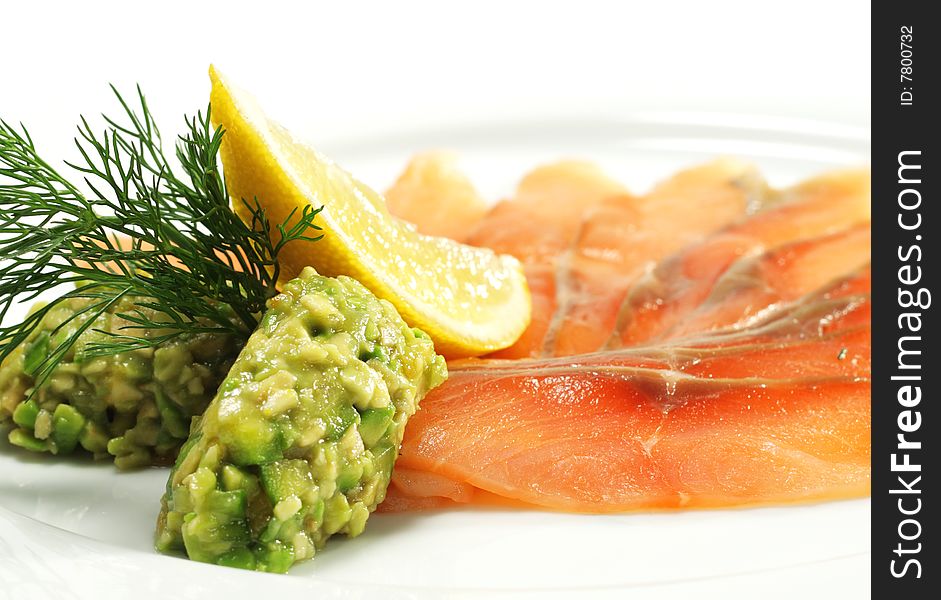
pixel 330 68
pixel 321 66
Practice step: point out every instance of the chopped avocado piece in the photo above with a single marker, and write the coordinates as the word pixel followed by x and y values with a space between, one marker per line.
pixel 211 538
pixel 349 476
pixel 173 420
pixel 135 406
pixel 338 420
pixel 234 478
pixel 240 558
pixel 300 440
pixel 274 557
pixel 67 424
pixel 232 503
pixel 283 478
pixel 375 353
pixel 23 439
pixel 375 422
pixel 253 442
pixel 25 414
pixel 93 439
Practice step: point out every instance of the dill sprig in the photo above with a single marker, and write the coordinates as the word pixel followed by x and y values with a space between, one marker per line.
pixel 168 243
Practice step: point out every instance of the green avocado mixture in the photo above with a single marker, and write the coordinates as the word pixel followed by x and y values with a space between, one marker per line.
pixel 292 405
pixel 300 440
pixel 135 406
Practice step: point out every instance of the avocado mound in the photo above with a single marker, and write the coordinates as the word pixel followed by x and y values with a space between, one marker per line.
pixel 300 440
pixel 134 406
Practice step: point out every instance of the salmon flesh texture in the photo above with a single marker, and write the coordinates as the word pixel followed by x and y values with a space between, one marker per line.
pixel 704 345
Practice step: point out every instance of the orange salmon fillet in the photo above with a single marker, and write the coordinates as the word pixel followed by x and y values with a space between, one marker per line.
pixel 436 196
pixel 754 285
pixel 818 207
pixel 734 371
pixel 624 236
pixel 723 420
pixel 537 226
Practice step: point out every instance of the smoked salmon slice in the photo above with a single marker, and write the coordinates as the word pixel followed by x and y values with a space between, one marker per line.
pixel 436 196
pixel 783 417
pixel 537 226
pixel 590 439
pixel 735 372
pixel 754 285
pixel 662 299
pixel 542 218
pixel 622 237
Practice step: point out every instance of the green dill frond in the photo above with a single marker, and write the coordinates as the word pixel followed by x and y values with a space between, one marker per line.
pixel 165 237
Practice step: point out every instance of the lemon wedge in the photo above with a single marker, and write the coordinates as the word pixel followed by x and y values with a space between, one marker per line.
pixel 471 301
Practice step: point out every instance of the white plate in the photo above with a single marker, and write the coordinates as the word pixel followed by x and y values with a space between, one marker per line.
pixel 74 528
